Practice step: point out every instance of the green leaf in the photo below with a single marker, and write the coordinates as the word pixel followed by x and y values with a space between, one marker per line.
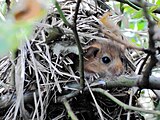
pixel 12 35
pixel 141 25
pixel 158 2
pixel 142 92
pixel 133 40
pixel 138 14
pixel 155 16
pixel 128 9
pixel 153 8
pixel 131 25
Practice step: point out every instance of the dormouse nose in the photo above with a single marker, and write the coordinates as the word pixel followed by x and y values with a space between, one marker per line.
pixel 118 73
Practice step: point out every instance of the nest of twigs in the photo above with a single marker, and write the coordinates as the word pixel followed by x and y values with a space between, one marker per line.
pixel 44 74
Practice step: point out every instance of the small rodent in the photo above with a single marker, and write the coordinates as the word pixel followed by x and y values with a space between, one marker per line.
pixel 104 59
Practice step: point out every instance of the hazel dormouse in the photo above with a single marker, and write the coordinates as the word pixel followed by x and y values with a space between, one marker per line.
pixel 105 59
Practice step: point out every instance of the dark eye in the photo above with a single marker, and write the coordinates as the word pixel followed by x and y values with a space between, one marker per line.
pixel 122 59
pixel 106 59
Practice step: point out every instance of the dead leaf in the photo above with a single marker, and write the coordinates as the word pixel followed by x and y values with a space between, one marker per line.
pixel 108 23
pixel 28 9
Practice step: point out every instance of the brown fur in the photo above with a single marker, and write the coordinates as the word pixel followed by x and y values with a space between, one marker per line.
pixel 93 59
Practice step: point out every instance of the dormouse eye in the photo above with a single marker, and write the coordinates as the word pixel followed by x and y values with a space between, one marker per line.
pixel 122 59
pixel 106 60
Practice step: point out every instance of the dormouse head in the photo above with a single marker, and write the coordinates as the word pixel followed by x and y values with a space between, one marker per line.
pixel 104 59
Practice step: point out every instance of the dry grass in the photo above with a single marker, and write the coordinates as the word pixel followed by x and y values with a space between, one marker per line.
pixel 42 71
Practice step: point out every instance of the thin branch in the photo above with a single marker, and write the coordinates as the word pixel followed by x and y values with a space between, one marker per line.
pixel 8 2
pixel 95 101
pixel 129 62
pixel 121 82
pixel 125 106
pixel 143 64
pixel 74 29
pixel 132 5
pixel 153 60
pixel 137 5
pixel 69 110
pixel 119 40
pixel 68 96
pixel 130 103
pixel 128 45
pixel 128 81
pixel 115 38
pixel 76 12
pixel 129 3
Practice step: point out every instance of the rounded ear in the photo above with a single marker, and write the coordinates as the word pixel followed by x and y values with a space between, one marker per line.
pixel 91 52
